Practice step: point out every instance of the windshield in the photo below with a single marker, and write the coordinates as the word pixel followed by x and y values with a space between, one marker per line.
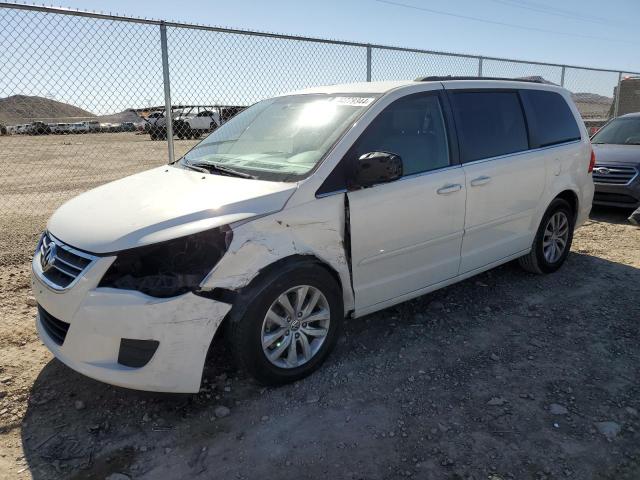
pixel 279 139
pixel 621 131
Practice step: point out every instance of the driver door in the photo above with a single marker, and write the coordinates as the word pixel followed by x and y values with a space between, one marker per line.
pixel 406 235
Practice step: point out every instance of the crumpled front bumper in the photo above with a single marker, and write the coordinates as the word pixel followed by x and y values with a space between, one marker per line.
pixel 98 318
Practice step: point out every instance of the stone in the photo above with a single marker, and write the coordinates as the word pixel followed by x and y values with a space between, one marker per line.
pixel 609 429
pixel 557 409
pixel 221 411
pixel 118 476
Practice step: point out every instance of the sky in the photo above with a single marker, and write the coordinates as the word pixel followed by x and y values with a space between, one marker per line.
pixel 592 33
pixel 105 67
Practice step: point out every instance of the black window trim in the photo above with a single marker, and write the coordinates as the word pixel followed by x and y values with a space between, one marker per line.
pixel 451 91
pixel 450 130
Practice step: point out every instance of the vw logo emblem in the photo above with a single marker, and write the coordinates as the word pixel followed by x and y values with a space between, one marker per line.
pixel 48 256
pixel 602 170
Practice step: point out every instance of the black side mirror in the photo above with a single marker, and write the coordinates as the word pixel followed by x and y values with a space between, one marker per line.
pixel 377 167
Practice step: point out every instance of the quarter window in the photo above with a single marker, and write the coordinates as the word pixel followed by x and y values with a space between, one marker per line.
pixel 412 127
pixel 489 124
pixel 550 118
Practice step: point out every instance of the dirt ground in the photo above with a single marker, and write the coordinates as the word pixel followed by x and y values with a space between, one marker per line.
pixel 506 375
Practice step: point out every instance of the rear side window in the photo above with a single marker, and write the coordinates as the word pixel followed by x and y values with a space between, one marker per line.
pixel 549 117
pixel 489 124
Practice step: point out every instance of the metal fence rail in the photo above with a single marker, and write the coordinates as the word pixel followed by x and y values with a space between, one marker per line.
pixel 82 93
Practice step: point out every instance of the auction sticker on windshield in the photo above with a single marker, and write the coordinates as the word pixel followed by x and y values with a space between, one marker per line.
pixel 354 101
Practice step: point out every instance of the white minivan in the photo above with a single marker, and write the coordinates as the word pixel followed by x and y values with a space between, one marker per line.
pixel 303 210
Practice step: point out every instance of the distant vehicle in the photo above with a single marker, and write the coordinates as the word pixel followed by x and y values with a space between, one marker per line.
pixel 305 209
pixel 127 127
pixel 188 122
pixel 79 127
pixel 38 128
pixel 111 127
pixel 192 124
pixel 62 128
pixel 615 175
pixel 92 126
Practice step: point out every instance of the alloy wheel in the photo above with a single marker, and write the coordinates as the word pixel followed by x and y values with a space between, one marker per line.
pixel 555 238
pixel 295 326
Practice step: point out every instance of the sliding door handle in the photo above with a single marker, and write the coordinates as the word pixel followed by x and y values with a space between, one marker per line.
pixel 449 188
pixel 483 180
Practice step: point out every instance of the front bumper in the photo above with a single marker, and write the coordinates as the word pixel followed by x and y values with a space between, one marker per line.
pixel 99 318
pixel 625 196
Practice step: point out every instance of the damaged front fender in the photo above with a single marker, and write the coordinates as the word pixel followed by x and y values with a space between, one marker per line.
pixel 319 232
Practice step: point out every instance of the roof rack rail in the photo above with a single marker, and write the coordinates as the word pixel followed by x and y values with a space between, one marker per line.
pixel 451 77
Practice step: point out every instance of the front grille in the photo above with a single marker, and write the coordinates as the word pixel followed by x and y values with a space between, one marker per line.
pixel 60 264
pixel 614 198
pixel 613 174
pixel 56 329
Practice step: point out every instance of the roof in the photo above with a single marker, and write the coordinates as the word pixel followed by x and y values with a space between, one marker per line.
pixel 384 87
pixel 629 115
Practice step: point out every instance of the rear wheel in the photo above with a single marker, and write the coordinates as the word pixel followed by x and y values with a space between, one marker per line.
pixel 553 239
pixel 290 324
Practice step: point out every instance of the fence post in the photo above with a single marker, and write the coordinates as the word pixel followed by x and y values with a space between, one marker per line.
pixel 562 76
pixel 480 60
pixel 368 63
pixel 617 104
pixel 167 91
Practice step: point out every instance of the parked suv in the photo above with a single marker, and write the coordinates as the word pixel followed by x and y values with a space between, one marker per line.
pixel 194 122
pixel 188 122
pixel 617 147
pixel 303 210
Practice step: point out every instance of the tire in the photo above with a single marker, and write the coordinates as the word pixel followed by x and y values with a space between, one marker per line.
pixel 247 324
pixel 182 130
pixel 539 260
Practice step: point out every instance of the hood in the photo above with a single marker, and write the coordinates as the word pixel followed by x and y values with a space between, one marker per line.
pixel 611 153
pixel 161 204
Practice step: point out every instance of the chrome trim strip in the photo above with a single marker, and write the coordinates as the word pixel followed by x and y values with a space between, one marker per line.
pixel 522 152
pixel 37 269
pixel 618 166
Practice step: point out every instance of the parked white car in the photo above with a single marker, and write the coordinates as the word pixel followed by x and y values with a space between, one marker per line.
pixel 193 122
pixel 301 211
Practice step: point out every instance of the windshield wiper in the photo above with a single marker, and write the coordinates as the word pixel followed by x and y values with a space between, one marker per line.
pixel 214 167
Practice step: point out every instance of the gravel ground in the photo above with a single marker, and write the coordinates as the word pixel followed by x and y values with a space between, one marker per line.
pixel 506 375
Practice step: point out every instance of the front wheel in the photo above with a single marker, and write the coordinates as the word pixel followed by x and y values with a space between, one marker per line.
pixel 553 239
pixel 290 325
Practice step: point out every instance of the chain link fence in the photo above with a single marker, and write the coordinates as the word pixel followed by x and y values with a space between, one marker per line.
pixel 84 96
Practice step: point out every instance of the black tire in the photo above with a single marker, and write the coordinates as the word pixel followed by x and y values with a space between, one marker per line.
pixel 181 130
pixel 535 261
pixel 244 326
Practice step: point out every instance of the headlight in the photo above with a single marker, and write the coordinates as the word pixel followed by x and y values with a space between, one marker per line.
pixel 169 268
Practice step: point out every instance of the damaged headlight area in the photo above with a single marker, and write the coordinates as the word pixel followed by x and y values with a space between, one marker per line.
pixel 170 268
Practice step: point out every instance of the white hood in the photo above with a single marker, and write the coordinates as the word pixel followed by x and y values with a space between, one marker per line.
pixel 161 204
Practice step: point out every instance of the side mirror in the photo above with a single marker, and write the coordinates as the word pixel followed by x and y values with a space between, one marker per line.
pixel 377 167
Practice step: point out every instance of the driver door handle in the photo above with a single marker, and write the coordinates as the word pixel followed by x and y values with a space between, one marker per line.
pixel 483 180
pixel 449 188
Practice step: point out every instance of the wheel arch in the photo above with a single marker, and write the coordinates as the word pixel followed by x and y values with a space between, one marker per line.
pixel 571 198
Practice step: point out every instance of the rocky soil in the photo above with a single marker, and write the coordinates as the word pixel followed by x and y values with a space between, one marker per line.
pixel 507 375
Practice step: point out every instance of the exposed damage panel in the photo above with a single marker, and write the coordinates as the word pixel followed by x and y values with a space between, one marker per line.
pixel 319 232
